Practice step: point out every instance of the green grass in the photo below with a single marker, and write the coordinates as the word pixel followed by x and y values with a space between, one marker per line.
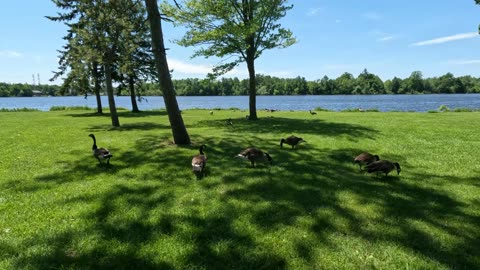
pixel 18 110
pixel 312 209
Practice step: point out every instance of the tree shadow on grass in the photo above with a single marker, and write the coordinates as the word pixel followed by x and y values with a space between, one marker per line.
pixel 121 114
pixel 321 186
pixel 128 127
pixel 120 240
pixel 294 126
pixel 317 189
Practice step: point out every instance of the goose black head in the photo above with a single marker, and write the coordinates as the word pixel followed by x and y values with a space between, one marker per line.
pixel 281 143
pixel 377 158
pixel 269 158
pixel 398 167
pixel 203 146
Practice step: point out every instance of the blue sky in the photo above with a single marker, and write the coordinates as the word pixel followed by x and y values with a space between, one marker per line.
pixel 388 38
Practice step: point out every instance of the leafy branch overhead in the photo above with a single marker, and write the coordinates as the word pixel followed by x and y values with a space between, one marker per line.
pixel 226 28
pixel 239 29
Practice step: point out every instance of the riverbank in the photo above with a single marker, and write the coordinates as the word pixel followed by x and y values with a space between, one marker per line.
pixel 311 207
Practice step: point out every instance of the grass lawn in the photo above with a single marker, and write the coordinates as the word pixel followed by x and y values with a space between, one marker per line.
pixel 313 209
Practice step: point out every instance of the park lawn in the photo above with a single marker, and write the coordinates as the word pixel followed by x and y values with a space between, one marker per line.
pixel 312 209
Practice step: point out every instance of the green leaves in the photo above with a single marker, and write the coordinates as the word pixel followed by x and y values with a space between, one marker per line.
pixel 240 28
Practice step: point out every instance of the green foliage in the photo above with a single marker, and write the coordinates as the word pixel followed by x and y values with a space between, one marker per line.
pixel 268 85
pixel 243 29
pixel 463 110
pixel 18 110
pixel 69 108
pixel 62 210
pixel 444 108
pixel 320 109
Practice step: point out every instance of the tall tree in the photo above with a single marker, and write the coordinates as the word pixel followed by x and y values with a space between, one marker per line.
pixel 107 34
pixel 95 28
pixel 180 134
pixel 240 28
pixel 414 83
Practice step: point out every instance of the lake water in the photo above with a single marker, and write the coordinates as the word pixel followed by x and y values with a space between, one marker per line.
pixel 418 103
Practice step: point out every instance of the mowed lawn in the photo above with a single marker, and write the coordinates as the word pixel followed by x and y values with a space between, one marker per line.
pixel 312 209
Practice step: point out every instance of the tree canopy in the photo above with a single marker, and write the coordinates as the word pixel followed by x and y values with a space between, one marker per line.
pixel 240 29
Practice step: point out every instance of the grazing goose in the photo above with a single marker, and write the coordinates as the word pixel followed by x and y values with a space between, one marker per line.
pixel 365 158
pixel 384 166
pixel 199 161
pixel 229 122
pixel 292 140
pixel 254 155
pixel 100 153
pixel 312 113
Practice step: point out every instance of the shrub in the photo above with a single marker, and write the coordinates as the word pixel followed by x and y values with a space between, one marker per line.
pixel 444 108
pixel 463 110
pixel 72 108
pixel 18 110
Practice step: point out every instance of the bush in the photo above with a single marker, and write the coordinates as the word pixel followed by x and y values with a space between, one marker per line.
pixel 72 108
pixel 18 110
pixel 463 110
pixel 320 109
pixel 444 108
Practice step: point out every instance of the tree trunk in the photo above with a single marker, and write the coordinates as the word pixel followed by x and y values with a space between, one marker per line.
pixel 133 98
pixel 96 79
pixel 252 91
pixel 180 134
pixel 111 100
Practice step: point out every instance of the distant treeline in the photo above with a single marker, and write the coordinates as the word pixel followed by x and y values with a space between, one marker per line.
pixel 365 84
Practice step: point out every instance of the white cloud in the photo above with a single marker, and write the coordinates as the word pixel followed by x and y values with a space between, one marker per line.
pixel 386 38
pixel 10 54
pixel 446 39
pixel 182 67
pixel 371 15
pixel 313 11
pixel 465 62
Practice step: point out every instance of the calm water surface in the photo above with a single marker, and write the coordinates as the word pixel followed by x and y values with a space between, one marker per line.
pixel 418 103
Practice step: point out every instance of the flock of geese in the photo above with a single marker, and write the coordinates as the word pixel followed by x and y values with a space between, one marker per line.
pixel 372 162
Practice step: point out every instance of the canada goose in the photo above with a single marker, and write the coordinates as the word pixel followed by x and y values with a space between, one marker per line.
pixel 312 113
pixel 199 161
pixel 229 122
pixel 100 153
pixel 365 158
pixel 211 112
pixel 254 155
pixel 292 140
pixel 384 166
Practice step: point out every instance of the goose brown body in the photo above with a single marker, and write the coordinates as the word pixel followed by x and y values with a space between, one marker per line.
pixel 384 166
pixel 292 140
pixel 199 161
pixel 100 153
pixel 365 158
pixel 255 155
